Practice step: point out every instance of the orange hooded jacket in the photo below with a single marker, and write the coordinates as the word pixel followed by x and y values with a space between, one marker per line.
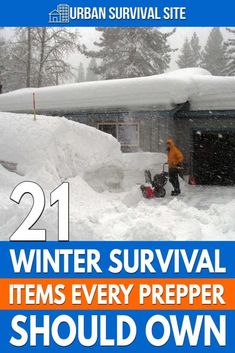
pixel 175 156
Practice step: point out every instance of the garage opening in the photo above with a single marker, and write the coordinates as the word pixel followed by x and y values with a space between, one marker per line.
pixel 214 157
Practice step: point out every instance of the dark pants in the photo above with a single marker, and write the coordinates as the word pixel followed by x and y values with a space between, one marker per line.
pixel 174 179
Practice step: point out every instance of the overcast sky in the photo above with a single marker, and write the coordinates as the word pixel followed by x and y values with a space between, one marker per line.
pixel 89 35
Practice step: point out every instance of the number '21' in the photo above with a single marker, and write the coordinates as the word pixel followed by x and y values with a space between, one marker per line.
pixel 60 195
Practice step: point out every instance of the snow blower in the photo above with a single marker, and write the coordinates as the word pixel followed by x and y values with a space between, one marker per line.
pixel 154 187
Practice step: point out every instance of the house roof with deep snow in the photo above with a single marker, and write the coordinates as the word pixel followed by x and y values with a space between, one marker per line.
pixel 163 92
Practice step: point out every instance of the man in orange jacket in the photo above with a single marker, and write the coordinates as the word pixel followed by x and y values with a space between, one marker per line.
pixel 175 161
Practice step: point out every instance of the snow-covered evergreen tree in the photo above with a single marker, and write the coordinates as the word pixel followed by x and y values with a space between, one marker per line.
pixel 196 49
pixel 81 73
pixel 186 58
pixel 131 52
pixel 91 69
pixel 230 44
pixel 214 57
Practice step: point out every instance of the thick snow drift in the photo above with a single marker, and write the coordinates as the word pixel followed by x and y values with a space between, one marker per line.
pixel 105 201
pixel 163 92
pixel 55 148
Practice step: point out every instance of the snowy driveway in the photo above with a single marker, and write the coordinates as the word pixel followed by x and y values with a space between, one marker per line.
pixel 199 213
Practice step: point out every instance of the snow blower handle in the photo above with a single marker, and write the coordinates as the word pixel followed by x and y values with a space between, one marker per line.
pixel 163 167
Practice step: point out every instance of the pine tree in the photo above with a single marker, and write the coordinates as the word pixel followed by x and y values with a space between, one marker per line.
pixel 81 73
pixel 131 52
pixel 196 48
pixel 91 69
pixel 230 44
pixel 186 58
pixel 214 54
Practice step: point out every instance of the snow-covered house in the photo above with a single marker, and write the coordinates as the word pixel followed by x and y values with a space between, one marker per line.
pixel 191 105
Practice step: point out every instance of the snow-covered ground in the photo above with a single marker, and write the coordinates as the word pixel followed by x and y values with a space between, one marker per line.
pixel 105 201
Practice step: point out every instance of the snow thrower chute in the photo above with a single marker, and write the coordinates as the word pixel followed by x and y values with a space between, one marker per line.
pixel 154 187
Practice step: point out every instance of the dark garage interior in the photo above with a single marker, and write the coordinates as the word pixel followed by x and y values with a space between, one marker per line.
pixel 214 157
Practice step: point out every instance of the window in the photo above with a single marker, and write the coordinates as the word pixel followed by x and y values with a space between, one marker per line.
pixel 126 133
pixel 109 128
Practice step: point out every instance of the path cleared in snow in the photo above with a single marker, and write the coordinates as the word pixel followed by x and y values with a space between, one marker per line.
pixel 106 202
pixel 199 213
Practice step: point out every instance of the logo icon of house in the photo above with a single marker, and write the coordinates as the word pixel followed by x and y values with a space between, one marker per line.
pixel 60 15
